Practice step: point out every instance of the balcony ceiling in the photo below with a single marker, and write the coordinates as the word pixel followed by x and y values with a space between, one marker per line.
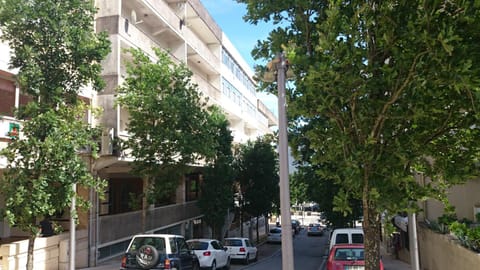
pixel 149 22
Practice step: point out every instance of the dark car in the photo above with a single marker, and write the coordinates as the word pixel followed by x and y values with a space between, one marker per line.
pixel 159 252
pixel 296 226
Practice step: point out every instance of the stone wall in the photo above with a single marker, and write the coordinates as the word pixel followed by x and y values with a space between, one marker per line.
pixel 443 252
pixel 50 253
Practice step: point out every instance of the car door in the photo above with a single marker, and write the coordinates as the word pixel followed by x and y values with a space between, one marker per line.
pixel 220 254
pixel 250 249
pixel 185 255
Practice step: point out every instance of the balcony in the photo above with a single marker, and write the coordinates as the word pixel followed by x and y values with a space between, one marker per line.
pixel 272 119
pixel 208 89
pixel 200 55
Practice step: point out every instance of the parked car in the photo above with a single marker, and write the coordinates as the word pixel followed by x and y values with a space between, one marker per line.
pixel 315 229
pixel 346 236
pixel 241 249
pixel 347 256
pixel 211 253
pixel 159 251
pixel 274 235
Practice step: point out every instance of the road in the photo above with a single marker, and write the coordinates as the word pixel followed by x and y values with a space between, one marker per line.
pixel 309 254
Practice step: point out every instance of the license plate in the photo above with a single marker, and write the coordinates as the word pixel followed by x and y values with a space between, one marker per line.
pixel 354 267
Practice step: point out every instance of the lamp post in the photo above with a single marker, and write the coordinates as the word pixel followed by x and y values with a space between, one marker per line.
pixel 279 67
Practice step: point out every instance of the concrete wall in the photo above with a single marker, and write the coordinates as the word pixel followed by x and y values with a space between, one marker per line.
pixel 464 197
pixel 50 253
pixel 443 252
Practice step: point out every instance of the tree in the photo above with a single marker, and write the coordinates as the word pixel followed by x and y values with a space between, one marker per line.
pixel 169 124
pixel 217 189
pixel 43 167
pixel 258 178
pixel 388 88
pixel 55 47
pixel 57 53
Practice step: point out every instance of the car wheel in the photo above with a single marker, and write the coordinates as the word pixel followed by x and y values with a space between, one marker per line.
pixel 147 256
pixel 247 259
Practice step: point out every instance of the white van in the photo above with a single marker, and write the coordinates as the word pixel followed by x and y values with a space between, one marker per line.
pixel 346 236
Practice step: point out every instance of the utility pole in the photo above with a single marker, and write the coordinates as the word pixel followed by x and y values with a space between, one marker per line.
pixel 287 245
pixel 279 67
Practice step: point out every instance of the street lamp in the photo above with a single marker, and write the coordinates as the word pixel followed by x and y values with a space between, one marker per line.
pixel 278 68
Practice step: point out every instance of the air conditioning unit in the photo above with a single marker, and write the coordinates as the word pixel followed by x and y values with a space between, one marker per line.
pixel 106 147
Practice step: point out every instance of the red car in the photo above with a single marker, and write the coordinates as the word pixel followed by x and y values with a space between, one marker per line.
pixel 347 257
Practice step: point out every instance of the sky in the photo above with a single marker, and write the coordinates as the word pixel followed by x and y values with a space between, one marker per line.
pixel 228 15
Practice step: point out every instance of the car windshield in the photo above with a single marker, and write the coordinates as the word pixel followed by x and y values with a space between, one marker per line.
pixel 349 254
pixel 233 242
pixel 198 245
pixel 157 242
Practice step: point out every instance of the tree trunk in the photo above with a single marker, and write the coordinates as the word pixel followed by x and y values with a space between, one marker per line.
pixel 144 204
pixel 31 243
pixel 372 231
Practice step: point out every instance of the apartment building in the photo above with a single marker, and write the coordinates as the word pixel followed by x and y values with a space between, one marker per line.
pixel 185 30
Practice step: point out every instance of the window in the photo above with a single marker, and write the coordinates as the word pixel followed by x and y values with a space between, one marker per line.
pixel 216 245
pixel 357 238
pixel 342 238
pixel 192 189
pixel 182 245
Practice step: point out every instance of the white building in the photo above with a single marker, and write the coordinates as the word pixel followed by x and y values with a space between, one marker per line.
pixel 185 30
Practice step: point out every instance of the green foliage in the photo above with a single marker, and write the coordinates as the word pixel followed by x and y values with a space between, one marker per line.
pixel 57 53
pixel 256 165
pixel 217 189
pixel 382 88
pixel 54 46
pixel 468 237
pixel 298 188
pixel 44 165
pixel 169 124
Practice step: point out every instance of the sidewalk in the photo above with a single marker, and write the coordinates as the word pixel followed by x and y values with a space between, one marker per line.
pixel 390 263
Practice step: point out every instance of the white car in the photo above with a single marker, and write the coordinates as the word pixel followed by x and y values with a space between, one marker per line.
pixel 210 252
pixel 241 248
pixel 274 235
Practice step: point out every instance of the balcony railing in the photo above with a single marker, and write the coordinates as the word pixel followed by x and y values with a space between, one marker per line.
pixel 129 224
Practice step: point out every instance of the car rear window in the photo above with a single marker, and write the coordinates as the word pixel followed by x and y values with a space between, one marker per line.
pixel 275 230
pixel 357 238
pixel 197 245
pixel 233 242
pixel 342 238
pixel 350 254
pixel 157 242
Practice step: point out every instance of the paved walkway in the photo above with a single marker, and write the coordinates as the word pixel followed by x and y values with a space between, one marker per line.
pixel 390 263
